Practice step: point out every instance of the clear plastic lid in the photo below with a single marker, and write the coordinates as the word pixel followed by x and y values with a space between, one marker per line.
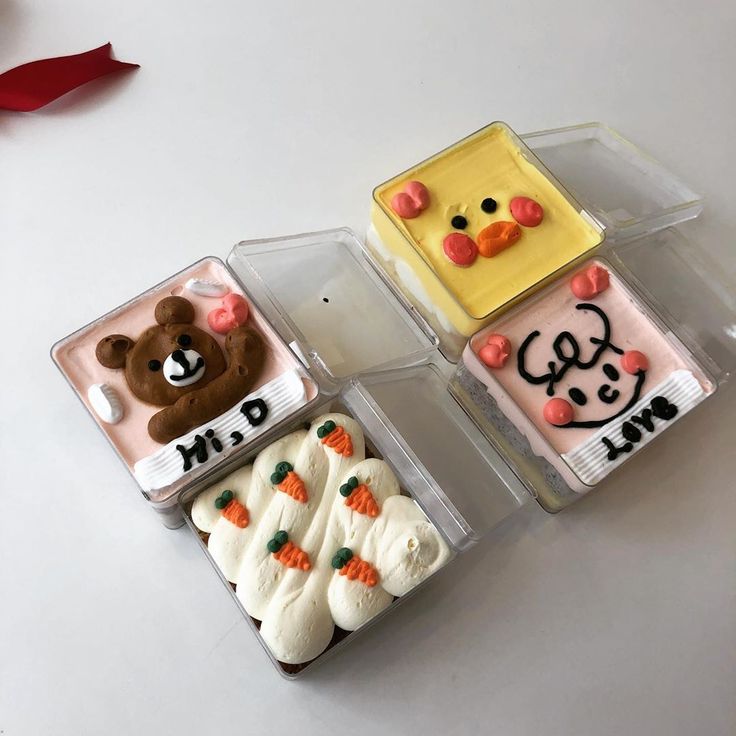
pixel 629 192
pixel 452 471
pixel 689 291
pixel 333 304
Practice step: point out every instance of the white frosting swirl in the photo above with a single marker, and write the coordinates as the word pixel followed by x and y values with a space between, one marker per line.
pixel 299 609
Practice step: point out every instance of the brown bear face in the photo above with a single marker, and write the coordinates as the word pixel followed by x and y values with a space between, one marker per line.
pixel 169 359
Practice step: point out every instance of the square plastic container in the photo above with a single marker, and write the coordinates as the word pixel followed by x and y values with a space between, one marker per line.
pixel 670 303
pixel 117 388
pixel 624 188
pixel 394 410
pixel 663 302
pixel 353 339
pixel 349 327
pixel 478 241
pixel 411 401
pixel 672 281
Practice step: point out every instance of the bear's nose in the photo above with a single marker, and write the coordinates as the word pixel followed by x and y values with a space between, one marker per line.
pixel 183 368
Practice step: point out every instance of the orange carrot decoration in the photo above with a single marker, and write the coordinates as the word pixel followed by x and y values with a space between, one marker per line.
pixel 359 498
pixel 354 568
pixel 234 511
pixel 294 486
pixel 286 480
pixel 336 438
pixel 287 553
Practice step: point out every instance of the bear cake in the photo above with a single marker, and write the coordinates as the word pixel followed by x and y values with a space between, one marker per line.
pixel 585 375
pixel 183 376
pixel 468 231
pixel 316 538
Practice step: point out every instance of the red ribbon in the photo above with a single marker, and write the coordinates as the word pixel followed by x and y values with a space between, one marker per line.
pixel 33 85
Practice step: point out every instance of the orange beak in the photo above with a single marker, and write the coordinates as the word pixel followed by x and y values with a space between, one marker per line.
pixel 497 237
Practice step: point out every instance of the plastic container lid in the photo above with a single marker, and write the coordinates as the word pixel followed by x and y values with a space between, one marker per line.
pixel 337 309
pixel 453 472
pixel 690 292
pixel 629 192
pixel 361 339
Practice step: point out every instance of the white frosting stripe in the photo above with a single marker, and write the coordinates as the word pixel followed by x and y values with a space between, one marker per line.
pixel 282 395
pixel 260 575
pixel 589 460
pixel 300 604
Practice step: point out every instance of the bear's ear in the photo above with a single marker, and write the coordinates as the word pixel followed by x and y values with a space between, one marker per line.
pixel 112 350
pixel 174 310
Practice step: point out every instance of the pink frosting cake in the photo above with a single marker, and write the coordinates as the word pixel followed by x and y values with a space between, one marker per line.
pixel 585 374
pixel 218 305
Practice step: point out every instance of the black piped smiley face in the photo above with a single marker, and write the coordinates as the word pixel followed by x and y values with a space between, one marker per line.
pixel 598 353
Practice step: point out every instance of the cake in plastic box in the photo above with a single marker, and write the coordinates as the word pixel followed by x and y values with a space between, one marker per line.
pixel 183 376
pixel 470 230
pixel 586 373
pixel 316 538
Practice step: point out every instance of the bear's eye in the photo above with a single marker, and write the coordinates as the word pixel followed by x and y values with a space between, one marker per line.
pixel 489 205
pixel 184 340
pixel 459 222
pixel 154 365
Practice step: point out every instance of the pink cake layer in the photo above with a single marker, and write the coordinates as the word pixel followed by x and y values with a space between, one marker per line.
pixel 554 311
pixel 76 356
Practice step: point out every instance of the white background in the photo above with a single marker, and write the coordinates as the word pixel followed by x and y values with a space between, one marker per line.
pixel 246 120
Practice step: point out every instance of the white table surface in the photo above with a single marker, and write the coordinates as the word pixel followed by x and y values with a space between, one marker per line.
pixel 616 617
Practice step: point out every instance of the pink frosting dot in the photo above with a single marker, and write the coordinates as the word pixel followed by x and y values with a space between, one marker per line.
pixel 233 313
pixel 412 201
pixel 460 249
pixel 633 361
pixel 526 211
pixel 590 282
pixel 558 412
pixel 496 351
pixel 419 193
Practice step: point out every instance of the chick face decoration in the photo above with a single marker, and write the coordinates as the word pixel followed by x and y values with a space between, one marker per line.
pixel 486 221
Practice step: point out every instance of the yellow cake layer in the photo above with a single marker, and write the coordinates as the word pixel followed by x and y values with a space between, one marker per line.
pixel 487 164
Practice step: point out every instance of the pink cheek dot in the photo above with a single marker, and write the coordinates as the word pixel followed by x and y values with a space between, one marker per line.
pixel 403 205
pixel 558 412
pixel 412 201
pixel 590 282
pixel 632 361
pixel 496 351
pixel 460 249
pixel 419 193
pixel 526 211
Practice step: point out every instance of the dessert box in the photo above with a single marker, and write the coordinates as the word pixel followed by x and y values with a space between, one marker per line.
pixel 135 368
pixel 579 377
pixel 344 499
pixel 293 407
pixel 475 228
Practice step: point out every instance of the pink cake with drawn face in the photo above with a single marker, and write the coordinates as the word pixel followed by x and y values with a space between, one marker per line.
pixel 183 376
pixel 585 374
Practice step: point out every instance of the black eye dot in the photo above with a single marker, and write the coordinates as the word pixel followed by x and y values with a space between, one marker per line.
pixel 489 205
pixel 459 222
pixel 154 365
pixel 611 372
pixel 184 340
pixel 578 396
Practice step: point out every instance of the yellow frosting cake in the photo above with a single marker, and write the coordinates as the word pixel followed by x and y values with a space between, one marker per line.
pixel 487 165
